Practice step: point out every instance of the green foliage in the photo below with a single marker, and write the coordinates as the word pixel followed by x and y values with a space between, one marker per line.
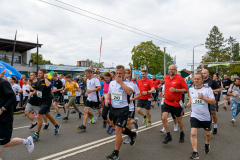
pixel 95 64
pixel 148 55
pixel 40 59
pixel 235 69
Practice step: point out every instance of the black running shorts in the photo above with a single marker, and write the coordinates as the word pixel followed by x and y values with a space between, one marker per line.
pixel 120 116
pixel 93 104
pixel 57 99
pixel 5 132
pixel 144 103
pixel 131 114
pixel 195 123
pixel 173 110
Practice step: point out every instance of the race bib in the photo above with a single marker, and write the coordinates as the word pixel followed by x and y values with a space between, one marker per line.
pixel 65 97
pixel 198 101
pixel 150 99
pixel 54 88
pixel 181 103
pixel 116 97
pixel 39 94
pixel 162 102
pixel 205 84
pixel 31 93
pixel 154 91
pixel 69 93
pixel 105 96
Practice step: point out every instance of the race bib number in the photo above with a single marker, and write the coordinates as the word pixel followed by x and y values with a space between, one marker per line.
pixel 69 93
pixel 181 103
pixel 224 91
pixel 150 99
pixel 39 94
pixel 154 91
pixel 54 88
pixel 198 101
pixel 205 84
pixel 116 97
pixel 65 97
pixel 105 96
pixel 162 102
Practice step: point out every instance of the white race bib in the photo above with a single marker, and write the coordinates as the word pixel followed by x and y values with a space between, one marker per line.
pixel 105 96
pixel 116 97
pixel 162 102
pixel 205 84
pixel 39 94
pixel 181 103
pixel 54 88
pixel 65 97
pixel 198 101
pixel 69 93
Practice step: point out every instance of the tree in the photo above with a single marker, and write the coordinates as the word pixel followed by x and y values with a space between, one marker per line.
pixel 147 55
pixel 235 69
pixel 169 61
pixel 40 59
pixel 95 64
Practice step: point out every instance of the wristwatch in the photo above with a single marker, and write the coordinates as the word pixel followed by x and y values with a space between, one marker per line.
pixel 2 109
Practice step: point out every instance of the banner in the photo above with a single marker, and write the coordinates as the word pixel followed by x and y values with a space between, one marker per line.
pixel 222 64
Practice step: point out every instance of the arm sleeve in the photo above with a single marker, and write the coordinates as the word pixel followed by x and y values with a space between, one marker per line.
pixel 210 93
pixel 109 89
pixel 97 82
pixel 136 89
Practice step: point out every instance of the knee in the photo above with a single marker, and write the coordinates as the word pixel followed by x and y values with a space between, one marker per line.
pixel 118 130
pixel 27 113
pixel 208 134
pixel 86 110
pixel 193 134
pixel 179 120
pixel 139 109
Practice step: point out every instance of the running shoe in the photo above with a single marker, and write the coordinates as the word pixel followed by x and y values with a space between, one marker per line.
pixel 113 156
pixel 214 131
pixel 167 139
pixel 153 106
pixel 136 124
pixel 104 124
pixel 158 104
pixel 163 130
pixel 149 124
pixel 46 126
pixel 181 139
pixel 82 128
pixel 35 137
pixel 99 116
pixel 194 155
pixel 90 121
pixel 94 120
pixel 58 116
pixel 109 129
pixel 80 115
pixel 133 138
pixel 185 105
pixel 112 131
pixel 175 128
pixel 207 149
pixel 32 126
pixel 224 107
pixel 127 140
pixel 65 118
pixel 144 120
pixel 229 102
pixel 30 144
pixel 73 111
pixel 56 129
pixel 233 121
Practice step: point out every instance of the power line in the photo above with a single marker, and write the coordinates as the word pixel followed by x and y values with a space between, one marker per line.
pixel 115 25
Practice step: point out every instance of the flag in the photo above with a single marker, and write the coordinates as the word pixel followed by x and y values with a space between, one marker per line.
pixel 100 52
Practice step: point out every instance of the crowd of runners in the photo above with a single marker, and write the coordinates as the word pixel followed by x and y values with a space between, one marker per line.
pixel 116 97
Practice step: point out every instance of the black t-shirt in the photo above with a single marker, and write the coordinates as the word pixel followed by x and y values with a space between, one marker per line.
pixel 43 92
pixel 211 83
pixel 226 82
pixel 34 99
pixel 58 84
pixel 7 99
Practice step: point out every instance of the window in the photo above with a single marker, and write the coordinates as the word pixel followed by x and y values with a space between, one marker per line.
pixel 8 59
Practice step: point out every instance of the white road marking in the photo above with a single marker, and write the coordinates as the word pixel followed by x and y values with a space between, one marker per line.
pixel 99 142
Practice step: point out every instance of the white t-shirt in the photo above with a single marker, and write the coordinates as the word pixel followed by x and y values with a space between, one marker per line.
pixel 25 88
pixel 15 88
pixel 78 93
pixel 163 88
pixel 93 84
pixel 136 91
pixel 118 96
pixel 200 108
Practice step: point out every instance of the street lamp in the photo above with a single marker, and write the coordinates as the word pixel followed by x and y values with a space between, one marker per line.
pixel 193 58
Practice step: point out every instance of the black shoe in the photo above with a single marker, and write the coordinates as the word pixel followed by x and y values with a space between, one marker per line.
pixel 181 139
pixel 82 128
pixel 194 155
pixel 207 149
pixel 32 126
pixel 80 115
pixel 214 130
pixel 66 118
pixel 46 126
pixel 113 156
pixel 133 138
pixel 167 139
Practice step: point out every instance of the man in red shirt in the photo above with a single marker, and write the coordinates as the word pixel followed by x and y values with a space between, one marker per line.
pixel 174 87
pixel 156 84
pixel 146 88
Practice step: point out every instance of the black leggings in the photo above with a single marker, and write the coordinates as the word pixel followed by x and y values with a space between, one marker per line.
pixel 105 111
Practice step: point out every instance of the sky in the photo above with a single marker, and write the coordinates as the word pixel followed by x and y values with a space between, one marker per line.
pixel 68 36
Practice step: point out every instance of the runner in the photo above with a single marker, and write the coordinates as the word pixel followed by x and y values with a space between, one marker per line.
pixel 113 75
pixel 93 99
pixel 107 110
pixel 101 79
pixel 234 93
pixel 43 92
pixel 156 84
pixel 56 90
pixel 17 90
pixel 25 91
pixel 226 84
pixel 119 93
pixel 71 87
pixel 7 99
pixel 200 98
pixel 214 85
pixel 219 82
pixel 189 82
pixel 146 89
pixel 63 83
pixel 136 94
pixel 32 104
pixel 175 85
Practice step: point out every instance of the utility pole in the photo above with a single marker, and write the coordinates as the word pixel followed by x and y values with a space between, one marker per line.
pixel 37 53
pixel 193 64
pixel 14 45
pixel 164 61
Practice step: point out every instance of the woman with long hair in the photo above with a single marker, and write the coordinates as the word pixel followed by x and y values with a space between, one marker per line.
pixel 17 90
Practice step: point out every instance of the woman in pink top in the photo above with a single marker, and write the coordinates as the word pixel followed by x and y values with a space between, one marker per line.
pixel 105 110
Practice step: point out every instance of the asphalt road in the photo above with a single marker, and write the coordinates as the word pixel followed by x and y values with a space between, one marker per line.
pixel 96 144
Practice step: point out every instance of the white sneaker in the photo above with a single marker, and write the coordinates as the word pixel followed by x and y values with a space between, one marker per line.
pixel 163 130
pixel 127 140
pixel 175 128
pixel 30 144
pixel 233 121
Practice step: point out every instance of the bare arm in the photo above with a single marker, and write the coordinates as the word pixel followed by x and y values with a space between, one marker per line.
pixel 126 89
pixel 136 97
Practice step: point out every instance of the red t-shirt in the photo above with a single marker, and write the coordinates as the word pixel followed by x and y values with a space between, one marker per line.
pixel 21 82
pixel 176 82
pixel 145 85
pixel 156 83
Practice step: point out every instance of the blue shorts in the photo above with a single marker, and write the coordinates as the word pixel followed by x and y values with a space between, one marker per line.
pixel 224 93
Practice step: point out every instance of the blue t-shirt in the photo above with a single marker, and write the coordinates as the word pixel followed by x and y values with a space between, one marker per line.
pixel 189 83
pixel 101 91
